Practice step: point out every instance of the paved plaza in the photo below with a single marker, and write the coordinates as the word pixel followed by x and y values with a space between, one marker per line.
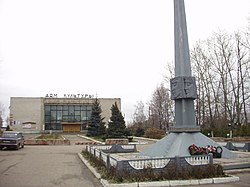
pixel 45 166
pixel 42 166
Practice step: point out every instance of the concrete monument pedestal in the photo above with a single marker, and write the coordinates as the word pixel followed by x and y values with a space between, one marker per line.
pixel 194 129
pixel 177 143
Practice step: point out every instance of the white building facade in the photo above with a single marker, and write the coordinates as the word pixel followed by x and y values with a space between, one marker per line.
pixel 70 113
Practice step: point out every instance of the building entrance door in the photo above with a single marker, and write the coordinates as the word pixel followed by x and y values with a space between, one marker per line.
pixel 71 127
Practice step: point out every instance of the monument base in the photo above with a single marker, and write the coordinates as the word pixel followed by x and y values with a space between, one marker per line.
pixel 177 144
pixel 185 129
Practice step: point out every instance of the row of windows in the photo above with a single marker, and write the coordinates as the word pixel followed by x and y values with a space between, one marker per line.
pixel 67 107
pixel 67 118
pixel 54 113
pixel 53 126
pixel 67 113
pixel 58 115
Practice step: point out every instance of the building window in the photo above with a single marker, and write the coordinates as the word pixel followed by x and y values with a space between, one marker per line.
pixel 77 108
pixel 56 114
pixel 59 108
pixel 66 107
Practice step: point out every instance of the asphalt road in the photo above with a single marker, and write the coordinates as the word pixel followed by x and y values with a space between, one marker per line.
pixel 43 166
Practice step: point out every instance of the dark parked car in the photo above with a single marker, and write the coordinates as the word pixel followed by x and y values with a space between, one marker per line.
pixel 11 139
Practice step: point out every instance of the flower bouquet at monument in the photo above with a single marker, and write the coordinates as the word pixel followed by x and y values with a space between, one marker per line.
pixel 195 150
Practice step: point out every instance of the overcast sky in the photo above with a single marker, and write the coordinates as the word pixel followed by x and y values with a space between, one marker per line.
pixel 112 48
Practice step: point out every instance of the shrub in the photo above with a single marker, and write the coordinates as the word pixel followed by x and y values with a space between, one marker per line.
pixel 139 132
pixel 244 130
pixel 241 131
pixel 154 133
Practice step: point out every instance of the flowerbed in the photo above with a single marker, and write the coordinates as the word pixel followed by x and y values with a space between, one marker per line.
pixel 149 174
pixel 48 139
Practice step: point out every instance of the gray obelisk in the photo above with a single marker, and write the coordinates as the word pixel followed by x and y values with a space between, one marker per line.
pixel 183 87
pixel 184 92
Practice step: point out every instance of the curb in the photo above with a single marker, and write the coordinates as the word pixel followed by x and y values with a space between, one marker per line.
pixel 105 183
pixel 233 166
pixel 236 171
pixel 150 139
pixel 91 139
pixel 91 168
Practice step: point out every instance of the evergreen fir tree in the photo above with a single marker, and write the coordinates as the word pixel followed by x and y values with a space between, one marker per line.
pixel 116 125
pixel 102 129
pixel 8 128
pixel 96 126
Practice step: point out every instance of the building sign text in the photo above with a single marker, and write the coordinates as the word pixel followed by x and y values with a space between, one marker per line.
pixel 70 96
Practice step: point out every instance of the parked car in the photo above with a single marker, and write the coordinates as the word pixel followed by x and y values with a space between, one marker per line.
pixel 11 139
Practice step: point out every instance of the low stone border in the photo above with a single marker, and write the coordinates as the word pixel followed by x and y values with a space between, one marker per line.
pixel 91 139
pixel 91 168
pixel 235 171
pixel 34 141
pixel 105 183
pixel 150 139
pixel 46 142
pixel 112 141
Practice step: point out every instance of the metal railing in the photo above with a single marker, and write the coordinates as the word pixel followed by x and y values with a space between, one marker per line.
pixel 139 163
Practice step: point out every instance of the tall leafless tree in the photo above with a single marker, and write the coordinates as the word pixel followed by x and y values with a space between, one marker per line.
pixel 2 110
pixel 221 65
pixel 161 107
pixel 139 114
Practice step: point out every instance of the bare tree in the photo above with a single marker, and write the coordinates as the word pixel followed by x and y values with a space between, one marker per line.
pixel 221 66
pixel 243 67
pixel 139 114
pixel 161 108
pixel 204 85
pixel 2 110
